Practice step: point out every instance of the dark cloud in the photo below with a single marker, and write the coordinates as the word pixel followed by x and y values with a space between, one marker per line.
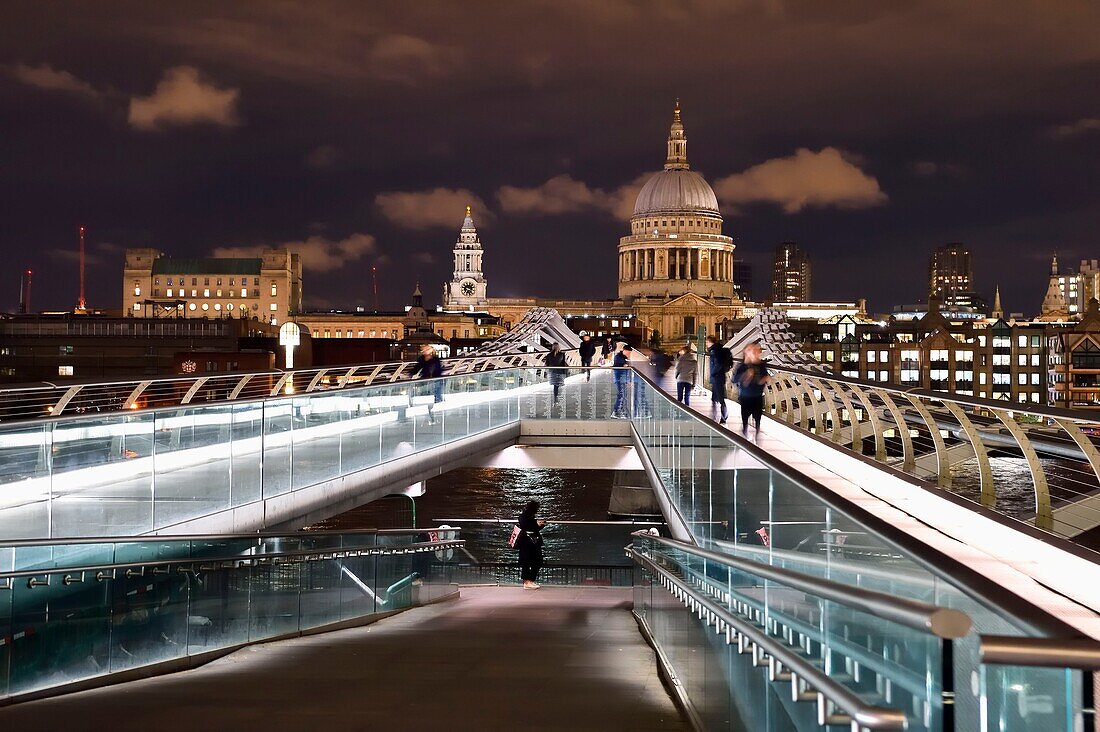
pixel 976 119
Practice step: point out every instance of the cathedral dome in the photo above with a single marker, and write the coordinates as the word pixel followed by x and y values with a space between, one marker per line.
pixel 676 190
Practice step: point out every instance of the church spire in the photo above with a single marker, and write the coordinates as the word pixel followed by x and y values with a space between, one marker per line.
pixel 468 222
pixel 677 158
pixel 1054 265
pixel 998 311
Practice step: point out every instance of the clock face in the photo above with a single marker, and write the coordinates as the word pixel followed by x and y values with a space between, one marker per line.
pixel 467 288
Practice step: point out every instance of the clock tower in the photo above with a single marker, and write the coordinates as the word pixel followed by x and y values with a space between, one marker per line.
pixel 466 290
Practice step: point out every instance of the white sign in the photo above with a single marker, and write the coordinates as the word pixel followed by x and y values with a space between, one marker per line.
pixel 290 337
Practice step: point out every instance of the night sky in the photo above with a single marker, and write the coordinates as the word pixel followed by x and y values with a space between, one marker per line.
pixel 868 132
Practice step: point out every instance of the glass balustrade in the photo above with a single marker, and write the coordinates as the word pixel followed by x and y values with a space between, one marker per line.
pixel 139 472
pixel 60 625
pixel 734 502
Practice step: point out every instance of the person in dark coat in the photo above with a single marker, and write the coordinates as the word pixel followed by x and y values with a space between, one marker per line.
pixel 555 361
pixel 587 353
pixel 430 366
pixel 529 545
pixel 750 378
pixel 719 359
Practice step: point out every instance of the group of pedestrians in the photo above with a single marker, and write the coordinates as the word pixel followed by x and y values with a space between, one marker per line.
pixel 750 377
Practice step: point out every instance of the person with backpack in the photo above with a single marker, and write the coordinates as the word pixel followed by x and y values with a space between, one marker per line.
pixel 721 361
pixel 750 378
pixel 529 544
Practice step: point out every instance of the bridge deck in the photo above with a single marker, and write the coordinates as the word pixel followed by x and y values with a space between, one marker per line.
pixel 494 659
pixel 1064 585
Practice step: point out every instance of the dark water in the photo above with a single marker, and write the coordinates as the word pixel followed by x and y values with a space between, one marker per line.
pixel 464 496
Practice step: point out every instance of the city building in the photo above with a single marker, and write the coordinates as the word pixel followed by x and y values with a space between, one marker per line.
pixel 88 347
pixel 992 359
pixel 1074 356
pixel 1078 287
pixel 742 278
pixel 1054 307
pixel 466 290
pixel 790 274
pixel 267 287
pixel 951 280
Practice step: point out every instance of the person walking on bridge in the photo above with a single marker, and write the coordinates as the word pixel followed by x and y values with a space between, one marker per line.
pixel 430 366
pixel 721 361
pixel 686 365
pixel 587 352
pixel 750 378
pixel 621 366
pixel 555 363
pixel 529 544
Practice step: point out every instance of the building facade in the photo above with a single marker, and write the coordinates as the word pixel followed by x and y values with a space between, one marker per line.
pixel 267 288
pixel 790 274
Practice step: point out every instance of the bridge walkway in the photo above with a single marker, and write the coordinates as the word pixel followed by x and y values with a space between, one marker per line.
pixel 1064 584
pixel 496 658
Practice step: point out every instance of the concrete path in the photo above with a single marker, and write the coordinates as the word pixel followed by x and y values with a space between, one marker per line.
pixel 498 658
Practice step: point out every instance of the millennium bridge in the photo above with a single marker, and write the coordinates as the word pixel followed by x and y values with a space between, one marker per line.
pixel 877 558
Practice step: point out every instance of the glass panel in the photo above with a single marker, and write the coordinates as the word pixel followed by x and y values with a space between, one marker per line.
pixel 25 480
pixel 193 463
pixel 103 476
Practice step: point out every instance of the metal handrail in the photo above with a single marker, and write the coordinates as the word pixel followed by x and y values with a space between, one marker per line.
pixel 122 395
pixel 942 622
pixel 963 576
pixel 1074 653
pixel 826 689
pixel 320 554
pixel 153 538
pixel 1038 410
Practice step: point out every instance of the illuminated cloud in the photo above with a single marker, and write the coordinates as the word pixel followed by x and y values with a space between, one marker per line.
pixel 408 58
pixel 324 157
pixel 183 98
pixel 563 194
pixel 806 179
pixel 1083 126
pixel 318 253
pixel 436 208
pixel 51 79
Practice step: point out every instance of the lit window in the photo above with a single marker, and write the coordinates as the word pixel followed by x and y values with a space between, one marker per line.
pixel 218 306
pixel 64 370
pixel 1022 358
pixel 206 306
pixel 169 292
pixel 194 293
pixel 232 281
pixel 219 293
pixel 229 306
pixel 191 306
pixel 1035 397
pixel 1021 341
pixel 883 375
pixel 871 358
pixel 137 290
pixel 244 292
pixel 206 293
pixel 274 307
pixel 274 290
pixel 1035 359
pixel 137 306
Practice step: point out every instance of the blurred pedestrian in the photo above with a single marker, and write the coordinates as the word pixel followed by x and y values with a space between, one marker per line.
pixel 555 363
pixel 430 366
pixel 686 366
pixel 621 364
pixel 750 378
pixel 721 361
pixel 587 353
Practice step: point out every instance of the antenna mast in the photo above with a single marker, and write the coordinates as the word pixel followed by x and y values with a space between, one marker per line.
pixel 81 304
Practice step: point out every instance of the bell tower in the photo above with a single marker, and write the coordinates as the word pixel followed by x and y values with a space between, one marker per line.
pixel 466 290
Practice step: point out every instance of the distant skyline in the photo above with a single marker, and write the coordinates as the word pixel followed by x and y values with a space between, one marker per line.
pixel 869 133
